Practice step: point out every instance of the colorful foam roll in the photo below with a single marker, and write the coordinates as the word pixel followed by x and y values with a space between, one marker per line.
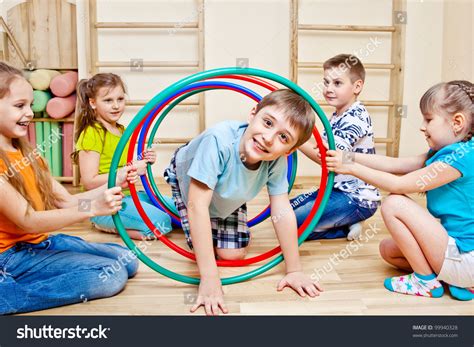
pixel 61 107
pixel 40 100
pixel 32 134
pixel 68 134
pixel 47 143
pixel 56 149
pixel 27 74
pixel 65 84
pixel 41 79
pixel 39 137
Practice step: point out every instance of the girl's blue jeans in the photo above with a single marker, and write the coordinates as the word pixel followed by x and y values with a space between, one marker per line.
pixel 341 212
pixel 61 270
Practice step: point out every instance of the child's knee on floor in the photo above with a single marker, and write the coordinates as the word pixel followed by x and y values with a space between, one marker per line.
pixel 112 279
pixel 129 261
pixel 231 253
pixel 124 257
pixel 132 266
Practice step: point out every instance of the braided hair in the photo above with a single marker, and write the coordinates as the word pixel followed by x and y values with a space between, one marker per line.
pixel 450 98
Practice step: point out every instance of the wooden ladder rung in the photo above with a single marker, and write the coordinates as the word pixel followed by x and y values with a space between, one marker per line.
pixel 63 179
pixel 146 25
pixel 166 141
pixel 148 63
pixel 365 102
pixel 144 102
pixel 383 140
pixel 171 141
pixel 371 28
pixel 63 120
pixel 318 65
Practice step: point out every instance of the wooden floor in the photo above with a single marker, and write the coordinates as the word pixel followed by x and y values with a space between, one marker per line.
pixel 352 281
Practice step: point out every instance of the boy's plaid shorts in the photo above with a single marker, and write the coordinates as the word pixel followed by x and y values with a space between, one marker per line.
pixel 231 232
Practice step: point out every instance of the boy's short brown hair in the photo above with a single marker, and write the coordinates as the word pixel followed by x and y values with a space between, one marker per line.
pixel 298 111
pixel 348 62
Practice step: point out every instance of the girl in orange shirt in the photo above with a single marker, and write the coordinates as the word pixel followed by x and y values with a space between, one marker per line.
pixel 37 270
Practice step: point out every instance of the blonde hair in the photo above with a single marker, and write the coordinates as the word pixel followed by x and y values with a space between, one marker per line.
pixel 88 89
pixel 450 98
pixel 8 74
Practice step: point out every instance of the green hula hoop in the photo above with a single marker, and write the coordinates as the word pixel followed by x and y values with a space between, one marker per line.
pixel 160 119
pixel 166 93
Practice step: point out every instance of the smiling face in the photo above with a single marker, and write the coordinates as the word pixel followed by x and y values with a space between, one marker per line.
pixel 268 136
pixel 15 111
pixel 437 131
pixel 109 104
pixel 339 91
pixel 447 110
pixel 441 130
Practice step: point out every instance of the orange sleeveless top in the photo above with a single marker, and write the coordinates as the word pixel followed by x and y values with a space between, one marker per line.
pixel 10 233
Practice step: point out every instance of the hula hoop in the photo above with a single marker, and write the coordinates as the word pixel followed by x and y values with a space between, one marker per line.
pixel 153 192
pixel 148 222
pixel 310 222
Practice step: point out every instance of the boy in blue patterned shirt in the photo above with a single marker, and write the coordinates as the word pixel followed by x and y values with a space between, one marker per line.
pixel 352 200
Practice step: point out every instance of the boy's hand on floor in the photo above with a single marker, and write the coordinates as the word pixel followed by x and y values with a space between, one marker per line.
pixel 211 296
pixel 301 284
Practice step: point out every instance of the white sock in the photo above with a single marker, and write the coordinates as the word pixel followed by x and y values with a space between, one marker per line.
pixel 354 231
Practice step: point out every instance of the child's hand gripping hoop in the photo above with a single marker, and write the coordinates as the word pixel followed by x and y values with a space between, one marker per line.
pixel 175 94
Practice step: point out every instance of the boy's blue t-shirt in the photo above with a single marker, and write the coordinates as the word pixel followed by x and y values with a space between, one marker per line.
pixel 453 203
pixel 213 158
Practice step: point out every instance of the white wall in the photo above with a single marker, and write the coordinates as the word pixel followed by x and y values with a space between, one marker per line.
pixel 259 31
pixel 423 63
pixel 458 40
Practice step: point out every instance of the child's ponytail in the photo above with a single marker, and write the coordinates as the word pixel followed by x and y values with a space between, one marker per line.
pixel 86 116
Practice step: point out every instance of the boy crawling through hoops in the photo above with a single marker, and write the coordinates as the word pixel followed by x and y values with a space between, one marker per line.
pixel 214 175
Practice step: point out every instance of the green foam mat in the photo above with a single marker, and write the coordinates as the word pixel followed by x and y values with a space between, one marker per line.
pixel 39 137
pixel 47 143
pixel 56 150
